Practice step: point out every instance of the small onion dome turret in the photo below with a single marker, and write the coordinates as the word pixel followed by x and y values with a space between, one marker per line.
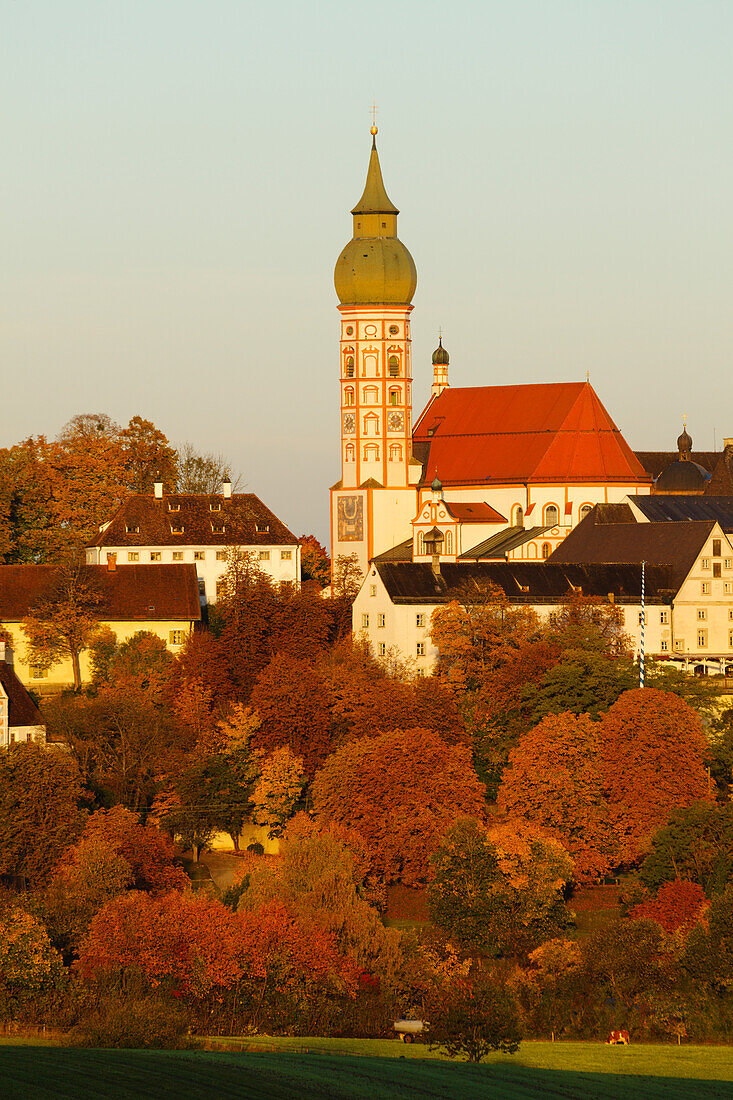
pixel 437 486
pixel 375 268
pixel 684 475
pixel 440 355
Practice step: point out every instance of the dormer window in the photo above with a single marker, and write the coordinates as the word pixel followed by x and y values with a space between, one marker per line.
pixel 130 529
pixel 176 530
pixel 174 507
pixel 218 528
pixel 262 527
pixel 215 506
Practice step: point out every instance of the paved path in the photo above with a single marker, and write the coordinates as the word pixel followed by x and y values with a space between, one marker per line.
pixel 224 868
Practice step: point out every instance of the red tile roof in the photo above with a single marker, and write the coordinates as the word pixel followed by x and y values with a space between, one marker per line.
pixel 131 592
pixel 22 711
pixel 187 519
pixel 551 433
pixel 474 513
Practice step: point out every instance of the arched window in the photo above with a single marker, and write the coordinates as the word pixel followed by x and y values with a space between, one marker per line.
pixel 370 366
pixel 448 542
pixel 371 453
pixel 585 510
pixel 350 453
pixel 518 515
pixel 395 452
pixel 532 550
pixel 551 515
pixel 420 545
pixel 546 550
pixel 349 369
pixel 371 424
pixel 371 395
pixel 394 396
pixel 349 395
pixel 394 366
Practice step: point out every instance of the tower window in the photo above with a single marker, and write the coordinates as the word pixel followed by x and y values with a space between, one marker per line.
pixel 350 453
pixel 393 330
pixel 394 397
pixel 349 369
pixel 349 395
pixel 371 453
pixel 371 424
pixel 395 453
pixel 393 364
pixel 448 543
pixel 371 395
pixel 551 515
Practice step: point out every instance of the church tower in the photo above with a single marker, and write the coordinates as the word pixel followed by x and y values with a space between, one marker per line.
pixel 375 279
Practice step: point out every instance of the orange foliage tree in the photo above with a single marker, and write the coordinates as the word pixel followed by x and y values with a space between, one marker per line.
pixel 292 703
pixel 678 904
pixel 399 791
pixel 554 779
pixel 653 749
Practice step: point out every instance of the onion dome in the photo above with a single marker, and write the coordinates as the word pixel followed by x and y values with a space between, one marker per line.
pixel 437 486
pixel 375 268
pixel 684 475
pixel 440 355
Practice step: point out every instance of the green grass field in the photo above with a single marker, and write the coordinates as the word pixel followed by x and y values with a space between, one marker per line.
pixel 572 1071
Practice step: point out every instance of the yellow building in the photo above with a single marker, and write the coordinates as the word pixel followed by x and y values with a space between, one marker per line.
pixel 162 599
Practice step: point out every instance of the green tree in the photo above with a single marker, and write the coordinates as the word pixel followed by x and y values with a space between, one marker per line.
pixel 473 1017
pixel 40 792
pixel 219 791
pixel 697 844
pixel 583 682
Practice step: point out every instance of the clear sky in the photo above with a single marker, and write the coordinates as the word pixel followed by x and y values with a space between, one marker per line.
pixel 177 177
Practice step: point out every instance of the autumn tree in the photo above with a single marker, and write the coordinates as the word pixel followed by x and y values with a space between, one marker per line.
pixel 147 457
pixel 399 791
pixel 589 624
pixel 29 965
pixel 64 623
pixel 40 792
pixel 696 844
pixel 554 779
pixel 218 791
pixel 582 681
pixel 498 890
pixel 292 703
pixel 27 530
pixel 315 564
pixel 201 472
pixel 148 852
pixel 678 904
pixel 652 754
pixel 278 788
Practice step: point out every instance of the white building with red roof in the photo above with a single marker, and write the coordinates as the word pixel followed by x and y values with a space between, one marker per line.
pixel 485 473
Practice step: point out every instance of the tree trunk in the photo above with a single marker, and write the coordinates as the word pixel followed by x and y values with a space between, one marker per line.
pixel 76 665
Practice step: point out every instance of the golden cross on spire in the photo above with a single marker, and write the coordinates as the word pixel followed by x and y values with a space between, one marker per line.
pixel 374 118
pixel 684 422
pixel 440 332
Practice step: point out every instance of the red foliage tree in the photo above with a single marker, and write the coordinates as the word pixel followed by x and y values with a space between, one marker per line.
pixel 148 851
pixel 678 904
pixel 293 705
pixel 554 780
pixel 653 749
pixel 399 791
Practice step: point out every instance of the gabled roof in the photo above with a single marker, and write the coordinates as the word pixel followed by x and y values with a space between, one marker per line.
pixel 130 592
pixel 522 582
pixel 22 711
pixel 662 508
pixel 547 433
pixel 401 552
pixel 720 482
pixel 675 544
pixel 245 520
pixel 474 513
pixel 499 545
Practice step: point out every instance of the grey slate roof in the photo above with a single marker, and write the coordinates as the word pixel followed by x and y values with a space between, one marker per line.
pixel 662 508
pixel 523 582
pixel 674 544
pixel 656 461
pixel 498 546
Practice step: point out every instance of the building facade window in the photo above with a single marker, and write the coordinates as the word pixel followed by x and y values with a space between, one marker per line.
pixel 664 645
pixel 199 555
pixel 286 555
pixel 263 555
pixel 381 621
pixel 728 562
pixel 131 530
pixel 702 614
pixel 641 618
pixel 350 452
pixel 664 616
pixel 716 568
pixel 349 395
pixel 730 639
pixel 705 588
pixel 372 589
pixel 716 548
pixel 551 515
pixel 176 530
pixel 365 622
pixel 393 364
pixel 702 639
pixel 420 649
pixel 518 515
pixel 395 452
pixel 221 555
pixel 705 563
pixel 371 395
pixel 420 619
pixel 176 637
pixel 215 506
pixel 546 550
pixel 585 510
pixel 394 397
pixel 155 555
pixel 727 588
pixel 221 588
pixel 349 368
pixel 133 556
pixel 679 645
pixel 177 555
pixel 448 542
pixel 420 543
pixel 382 649
pixel 371 453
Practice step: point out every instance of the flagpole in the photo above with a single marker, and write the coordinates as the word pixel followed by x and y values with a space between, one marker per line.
pixel 643 624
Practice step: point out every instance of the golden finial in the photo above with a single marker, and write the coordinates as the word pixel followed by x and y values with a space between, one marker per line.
pixel 587 376
pixel 373 130
pixel 684 422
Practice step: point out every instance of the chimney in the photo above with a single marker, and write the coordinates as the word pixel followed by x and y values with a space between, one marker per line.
pixel 226 488
pixel 111 563
pixel 612 597
pixel 158 490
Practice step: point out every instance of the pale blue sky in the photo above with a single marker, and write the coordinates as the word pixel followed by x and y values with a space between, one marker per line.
pixel 177 176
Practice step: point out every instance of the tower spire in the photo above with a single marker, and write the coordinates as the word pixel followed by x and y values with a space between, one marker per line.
pixel 374 199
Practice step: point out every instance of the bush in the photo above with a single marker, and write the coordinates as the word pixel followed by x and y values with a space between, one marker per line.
pixel 256 848
pixel 136 1023
pixel 474 1017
